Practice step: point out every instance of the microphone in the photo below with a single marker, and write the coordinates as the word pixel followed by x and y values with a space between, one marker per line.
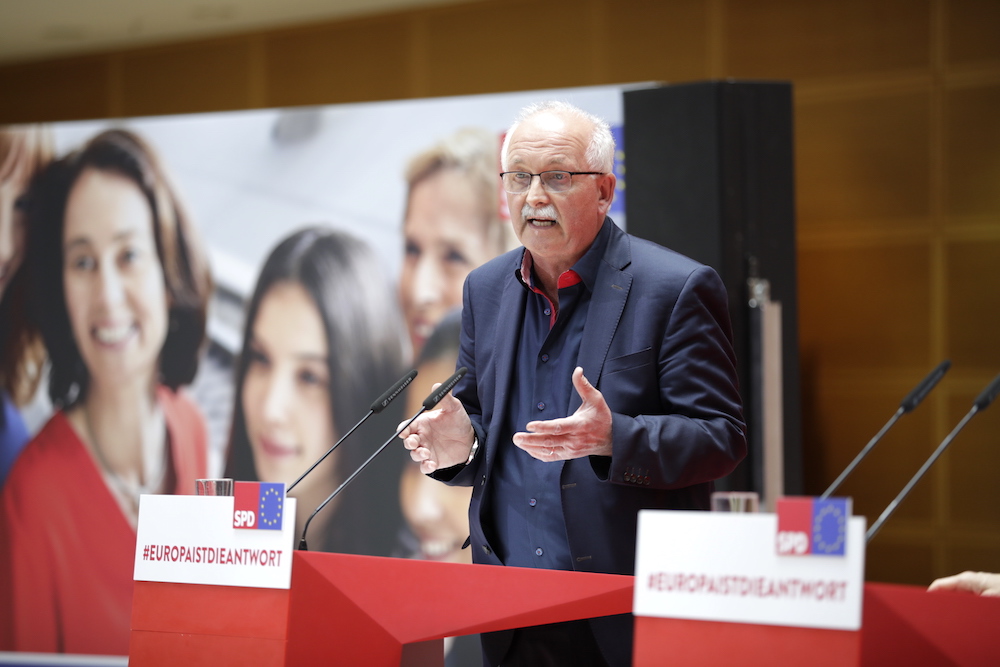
pixel 377 406
pixel 981 403
pixel 432 400
pixel 439 393
pixel 911 401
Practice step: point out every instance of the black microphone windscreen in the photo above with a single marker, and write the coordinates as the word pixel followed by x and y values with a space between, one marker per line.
pixel 392 392
pixel 445 387
pixel 991 391
pixel 921 390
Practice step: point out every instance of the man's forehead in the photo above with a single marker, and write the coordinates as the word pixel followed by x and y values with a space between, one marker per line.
pixel 549 121
pixel 557 138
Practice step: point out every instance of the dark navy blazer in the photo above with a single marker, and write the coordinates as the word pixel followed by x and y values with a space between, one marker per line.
pixel 658 345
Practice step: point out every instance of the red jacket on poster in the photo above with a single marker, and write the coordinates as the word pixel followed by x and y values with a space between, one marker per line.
pixel 67 549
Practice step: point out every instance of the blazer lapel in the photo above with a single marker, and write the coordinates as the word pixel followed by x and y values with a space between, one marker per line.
pixel 606 305
pixel 505 342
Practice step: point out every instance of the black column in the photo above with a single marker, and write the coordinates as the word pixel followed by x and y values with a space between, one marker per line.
pixel 710 175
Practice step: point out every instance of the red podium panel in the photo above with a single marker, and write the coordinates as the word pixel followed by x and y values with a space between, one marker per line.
pixel 351 610
pixel 717 644
pixel 906 625
pixel 901 625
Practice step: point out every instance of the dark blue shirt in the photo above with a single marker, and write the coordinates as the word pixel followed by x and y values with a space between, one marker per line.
pixel 527 504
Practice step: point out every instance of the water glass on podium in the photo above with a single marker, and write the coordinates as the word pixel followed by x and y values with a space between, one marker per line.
pixel 214 487
pixel 735 501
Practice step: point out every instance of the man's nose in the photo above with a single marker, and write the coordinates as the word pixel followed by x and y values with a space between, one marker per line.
pixel 537 194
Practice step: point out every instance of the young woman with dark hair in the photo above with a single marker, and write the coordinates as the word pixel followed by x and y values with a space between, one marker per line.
pixel 323 338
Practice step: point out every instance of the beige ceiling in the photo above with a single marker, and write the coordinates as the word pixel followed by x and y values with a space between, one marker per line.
pixel 39 29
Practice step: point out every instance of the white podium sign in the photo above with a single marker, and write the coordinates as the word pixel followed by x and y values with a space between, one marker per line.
pixel 720 566
pixel 191 540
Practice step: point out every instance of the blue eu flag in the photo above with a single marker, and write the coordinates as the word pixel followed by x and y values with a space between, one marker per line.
pixel 270 506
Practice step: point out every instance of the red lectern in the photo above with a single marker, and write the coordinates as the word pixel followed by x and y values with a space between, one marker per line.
pixel 358 610
pixel 902 625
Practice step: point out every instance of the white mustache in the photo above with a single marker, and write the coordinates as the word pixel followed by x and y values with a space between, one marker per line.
pixel 547 212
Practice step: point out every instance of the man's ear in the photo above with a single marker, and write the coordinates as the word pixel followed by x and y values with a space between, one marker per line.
pixel 606 191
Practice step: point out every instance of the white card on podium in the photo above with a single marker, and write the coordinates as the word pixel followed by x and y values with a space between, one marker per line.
pixel 720 566
pixel 192 540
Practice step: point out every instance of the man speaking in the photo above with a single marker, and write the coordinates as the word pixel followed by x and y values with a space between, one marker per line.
pixel 602 380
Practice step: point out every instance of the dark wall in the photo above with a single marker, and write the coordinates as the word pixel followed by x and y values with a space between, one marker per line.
pixel 710 175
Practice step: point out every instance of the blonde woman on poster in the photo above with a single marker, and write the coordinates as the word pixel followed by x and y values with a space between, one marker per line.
pixel 453 223
pixel 23 151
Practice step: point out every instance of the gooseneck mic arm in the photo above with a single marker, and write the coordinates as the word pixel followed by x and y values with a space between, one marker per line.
pixel 432 400
pixel 378 406
pixel 981 402
pixel 911 401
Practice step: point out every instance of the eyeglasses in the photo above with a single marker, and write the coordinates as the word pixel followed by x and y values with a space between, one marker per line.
pixel 518 182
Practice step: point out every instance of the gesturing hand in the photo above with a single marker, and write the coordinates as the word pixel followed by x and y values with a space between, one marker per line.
pixel 440 438
pixel 586 432
pixel 980 583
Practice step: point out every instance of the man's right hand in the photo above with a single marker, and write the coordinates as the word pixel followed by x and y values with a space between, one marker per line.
pixel 440 438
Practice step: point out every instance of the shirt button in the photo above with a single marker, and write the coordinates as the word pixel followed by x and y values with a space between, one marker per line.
pixel 548 311
pixel 545 358
pixel 541 405
pixel 538 551
pixel 532 502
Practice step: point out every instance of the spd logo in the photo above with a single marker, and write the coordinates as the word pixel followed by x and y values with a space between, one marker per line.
pixel 812 527
pixel 258 505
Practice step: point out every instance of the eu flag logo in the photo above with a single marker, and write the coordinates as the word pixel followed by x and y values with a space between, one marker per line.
pixel 272 502
pixel 829 526
pixel 258 505
pixel 812 526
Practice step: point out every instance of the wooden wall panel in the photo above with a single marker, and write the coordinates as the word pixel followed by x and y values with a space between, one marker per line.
pixel 979 558
pixel 973 151
pixel 863 164
pixel 865 306
pixel 339 62
pixel 899 562
pixel 653 40
pixel 973 461
pixel 973 31
pixel 853 411
pixel 973 304
pixel 513 45
pixel 214 76
pixel 809 38
pixel 65 89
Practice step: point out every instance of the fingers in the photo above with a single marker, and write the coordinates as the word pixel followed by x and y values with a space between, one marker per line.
pixel 968 582
pixel 538 448
pixel 944 584
pixel 422 455
pixel 411 441
pixel 583 387
pixel 560 426
pixel 450 404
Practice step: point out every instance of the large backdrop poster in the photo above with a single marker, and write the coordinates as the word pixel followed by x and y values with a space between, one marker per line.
pixel 336 240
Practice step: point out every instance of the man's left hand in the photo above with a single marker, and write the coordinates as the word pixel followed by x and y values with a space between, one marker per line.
pixel 586 432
